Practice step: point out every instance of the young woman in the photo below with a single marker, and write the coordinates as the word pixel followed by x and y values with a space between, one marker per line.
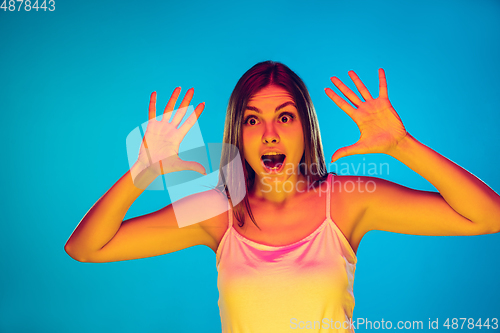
pixel 295 261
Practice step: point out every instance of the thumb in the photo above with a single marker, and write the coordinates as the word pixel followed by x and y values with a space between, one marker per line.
pixel 195 166
pixel 347 151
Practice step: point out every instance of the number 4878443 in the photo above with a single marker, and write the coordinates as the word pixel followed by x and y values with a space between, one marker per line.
pixel 27 5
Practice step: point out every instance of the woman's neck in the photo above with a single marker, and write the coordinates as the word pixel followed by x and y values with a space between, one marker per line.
pixel 279 190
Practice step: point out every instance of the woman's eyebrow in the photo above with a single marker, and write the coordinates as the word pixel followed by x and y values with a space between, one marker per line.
pixel 279 107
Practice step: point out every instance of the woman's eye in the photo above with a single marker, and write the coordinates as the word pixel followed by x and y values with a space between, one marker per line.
pixel 251 120
pixel 286 117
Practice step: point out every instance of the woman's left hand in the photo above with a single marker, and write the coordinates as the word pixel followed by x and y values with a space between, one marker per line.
pixel 380 126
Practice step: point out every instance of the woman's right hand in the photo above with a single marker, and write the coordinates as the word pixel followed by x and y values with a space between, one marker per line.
pixel 159 150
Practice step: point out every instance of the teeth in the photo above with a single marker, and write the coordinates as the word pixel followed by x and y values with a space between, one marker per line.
pixel 272 153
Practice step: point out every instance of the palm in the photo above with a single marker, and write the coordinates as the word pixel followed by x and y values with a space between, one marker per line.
pixel 380 127
pixel 160 145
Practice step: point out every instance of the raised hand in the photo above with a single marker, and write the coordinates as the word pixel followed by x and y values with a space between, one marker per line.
pixel 159 150
pixel 380 127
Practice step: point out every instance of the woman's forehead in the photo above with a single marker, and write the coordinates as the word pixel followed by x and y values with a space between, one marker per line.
pixel 269 94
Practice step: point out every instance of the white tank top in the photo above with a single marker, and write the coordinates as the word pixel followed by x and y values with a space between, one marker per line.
pixel 272 289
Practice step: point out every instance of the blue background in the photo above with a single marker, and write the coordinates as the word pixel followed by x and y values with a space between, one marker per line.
pixel 75 82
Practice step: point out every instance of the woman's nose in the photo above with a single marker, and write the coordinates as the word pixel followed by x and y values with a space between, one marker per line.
pixel 270 135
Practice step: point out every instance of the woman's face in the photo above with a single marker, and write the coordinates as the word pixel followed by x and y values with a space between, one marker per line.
pixel 271 124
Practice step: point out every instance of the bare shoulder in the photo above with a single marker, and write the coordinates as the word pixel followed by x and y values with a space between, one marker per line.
pixel 215 204
pixel 349 200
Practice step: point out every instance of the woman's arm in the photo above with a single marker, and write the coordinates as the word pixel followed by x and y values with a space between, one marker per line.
pixel 464 205
pixel 101 236
pixel 105 217
pixel 464 192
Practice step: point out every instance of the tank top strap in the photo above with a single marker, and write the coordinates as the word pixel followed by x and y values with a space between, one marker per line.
pixel 230 215
pixel 328 200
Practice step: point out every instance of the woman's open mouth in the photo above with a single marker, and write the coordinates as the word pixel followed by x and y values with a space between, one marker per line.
pixel 273 163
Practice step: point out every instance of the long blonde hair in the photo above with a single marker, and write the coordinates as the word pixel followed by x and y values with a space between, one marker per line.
pixel 312 163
